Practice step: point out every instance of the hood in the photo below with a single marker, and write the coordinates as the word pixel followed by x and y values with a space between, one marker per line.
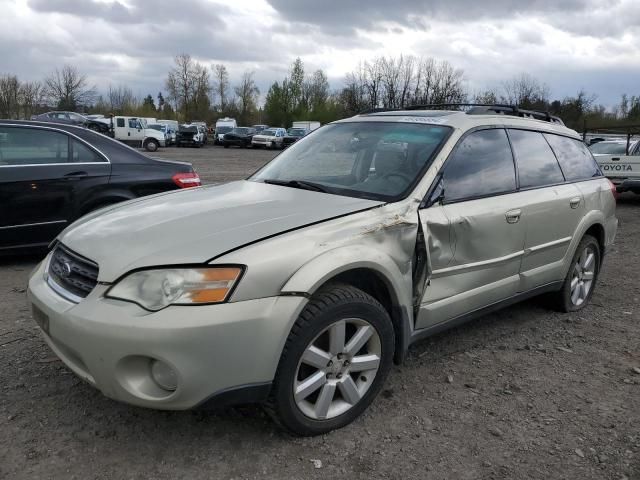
pixel 197 224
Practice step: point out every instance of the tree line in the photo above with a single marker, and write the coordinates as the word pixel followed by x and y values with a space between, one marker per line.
pixel 194 91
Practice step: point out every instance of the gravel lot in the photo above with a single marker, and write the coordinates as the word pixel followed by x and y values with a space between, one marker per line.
pixel 523 393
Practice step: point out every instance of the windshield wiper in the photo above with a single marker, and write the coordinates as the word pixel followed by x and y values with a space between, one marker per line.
pixel 302 184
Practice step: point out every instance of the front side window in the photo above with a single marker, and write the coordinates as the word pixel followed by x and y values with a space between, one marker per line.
pixel 480 166
pixel 32 146
pixel 574 157
pixel 537 165
pixel 376 160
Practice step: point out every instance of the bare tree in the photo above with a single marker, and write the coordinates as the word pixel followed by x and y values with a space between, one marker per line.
pixel 68 89
pixel 180 83
pixel 9 96
pixel 31 96
pixel 525 91
pixel 247 92
pixel 221 85
pixel 120 99
pixel 373 82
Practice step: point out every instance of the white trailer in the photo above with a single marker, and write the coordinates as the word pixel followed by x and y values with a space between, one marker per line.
pixel 309 126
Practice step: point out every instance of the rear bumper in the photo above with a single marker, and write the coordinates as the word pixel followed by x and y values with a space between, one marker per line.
pixel 626 184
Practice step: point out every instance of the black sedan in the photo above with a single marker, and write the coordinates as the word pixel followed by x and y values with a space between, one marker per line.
pixel 239 136
pixel 293 135
pixel 72 118
pixel 52 174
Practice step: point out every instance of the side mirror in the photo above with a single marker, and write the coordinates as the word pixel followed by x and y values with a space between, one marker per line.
pixel 435 195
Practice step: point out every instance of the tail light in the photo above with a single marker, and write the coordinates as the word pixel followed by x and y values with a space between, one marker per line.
pixel 186 180
pixel 614 189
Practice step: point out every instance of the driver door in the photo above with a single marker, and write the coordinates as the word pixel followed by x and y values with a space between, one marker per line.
pixel 473 233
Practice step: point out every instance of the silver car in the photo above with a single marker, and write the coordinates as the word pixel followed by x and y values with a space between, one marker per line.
pixel 300 286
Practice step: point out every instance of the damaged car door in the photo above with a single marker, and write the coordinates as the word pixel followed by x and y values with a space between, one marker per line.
pixel 472 230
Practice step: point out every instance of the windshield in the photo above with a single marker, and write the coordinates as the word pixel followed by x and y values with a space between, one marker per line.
pixel 223 129
pixel 240 130
pixel 296 132
pixel 269 132
pixel 609 148
pixel 376 160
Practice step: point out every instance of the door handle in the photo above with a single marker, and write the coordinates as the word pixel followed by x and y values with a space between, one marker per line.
pixel 574 202
pixel 75 175
pixel 616 159
pixel 513 216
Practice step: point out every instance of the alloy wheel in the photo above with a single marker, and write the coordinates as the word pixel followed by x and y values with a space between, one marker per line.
pixel 584 271
pixel 337 368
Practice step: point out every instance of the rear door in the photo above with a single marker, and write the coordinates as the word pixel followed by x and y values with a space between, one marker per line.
pixel 42 173
pixel 552 208
pixel 473 234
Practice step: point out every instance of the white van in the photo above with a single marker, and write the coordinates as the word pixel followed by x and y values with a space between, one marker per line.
pixel 223 125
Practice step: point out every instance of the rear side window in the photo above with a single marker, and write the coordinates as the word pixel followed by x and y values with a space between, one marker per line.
pixel 83 154
pixel 119 122
pixel 32 146
pixel 481 165
pixel 537 165
pixel 575 158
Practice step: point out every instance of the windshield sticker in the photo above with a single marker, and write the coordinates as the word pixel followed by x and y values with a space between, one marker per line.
pixel 432 120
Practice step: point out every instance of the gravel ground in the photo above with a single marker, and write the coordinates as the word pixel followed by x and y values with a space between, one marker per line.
pixel 523 393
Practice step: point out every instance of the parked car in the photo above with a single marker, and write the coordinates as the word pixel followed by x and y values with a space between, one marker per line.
pixel 293 135
pixel 300 286
pixel 239 137
pixel 269 138
pixel 223 125
pixel 622 169
pixel 52 174
pixel 72 118
pixel 191 136
pixel 259 128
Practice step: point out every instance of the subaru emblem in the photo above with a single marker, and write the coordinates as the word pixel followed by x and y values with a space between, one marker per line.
pixel 66 270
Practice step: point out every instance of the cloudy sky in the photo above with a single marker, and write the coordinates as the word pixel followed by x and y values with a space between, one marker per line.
pixel 569 44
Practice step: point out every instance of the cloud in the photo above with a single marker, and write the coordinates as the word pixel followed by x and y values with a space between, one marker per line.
pixel 568 44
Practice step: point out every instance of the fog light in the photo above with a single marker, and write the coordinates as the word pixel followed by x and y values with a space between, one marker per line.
pixel 164 375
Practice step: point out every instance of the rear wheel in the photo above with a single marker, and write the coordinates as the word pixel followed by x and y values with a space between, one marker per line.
pixel 580 282
pixel 334 362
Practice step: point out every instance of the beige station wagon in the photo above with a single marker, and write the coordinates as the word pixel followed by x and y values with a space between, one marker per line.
pixel 300 286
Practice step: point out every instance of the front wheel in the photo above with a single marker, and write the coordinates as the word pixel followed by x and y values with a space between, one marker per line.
pixel 151 145
pixel 334 362
pixel 580 282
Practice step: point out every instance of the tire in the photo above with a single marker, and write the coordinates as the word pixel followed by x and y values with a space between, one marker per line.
pixel 334 309
pixel 226 146
pixel 582 271
pixel 151 145
pixel 272 146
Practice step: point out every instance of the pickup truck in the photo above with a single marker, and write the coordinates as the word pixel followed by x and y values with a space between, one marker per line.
pixel 621 168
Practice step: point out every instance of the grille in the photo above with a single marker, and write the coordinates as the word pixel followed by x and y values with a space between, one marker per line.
pixel 74 275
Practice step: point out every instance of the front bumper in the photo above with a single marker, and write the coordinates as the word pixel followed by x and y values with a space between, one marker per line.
pixel 212 349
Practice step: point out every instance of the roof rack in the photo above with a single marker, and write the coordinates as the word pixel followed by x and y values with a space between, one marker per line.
pixel 480 109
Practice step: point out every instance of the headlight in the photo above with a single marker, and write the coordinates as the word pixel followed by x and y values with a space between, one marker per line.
pixel 158 288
